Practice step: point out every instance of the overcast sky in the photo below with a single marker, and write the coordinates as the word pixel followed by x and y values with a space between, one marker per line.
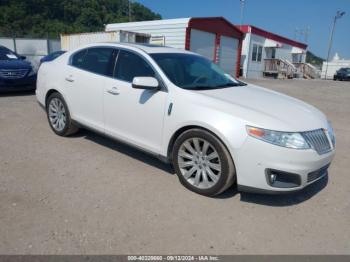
pixel 278 16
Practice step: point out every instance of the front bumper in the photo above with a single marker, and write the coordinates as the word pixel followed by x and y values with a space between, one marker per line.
pixel 22 84
pixel 255 159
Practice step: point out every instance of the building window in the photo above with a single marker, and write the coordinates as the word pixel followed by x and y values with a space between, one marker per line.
pixel 273 53
pixel 257 53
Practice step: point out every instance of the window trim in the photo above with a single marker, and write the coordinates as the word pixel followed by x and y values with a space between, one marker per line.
pixel 163 86
pixel 258 46
pixel 70 60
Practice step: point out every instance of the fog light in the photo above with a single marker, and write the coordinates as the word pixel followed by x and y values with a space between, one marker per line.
pixel 281 179
pixel 272 178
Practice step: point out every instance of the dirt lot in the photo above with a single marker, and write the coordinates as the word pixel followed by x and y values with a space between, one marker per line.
pixel 89 195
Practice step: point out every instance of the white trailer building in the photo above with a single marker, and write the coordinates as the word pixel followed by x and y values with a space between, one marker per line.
pixel 268 54
pixel 72 41
pixel 333 66
pixel 213 37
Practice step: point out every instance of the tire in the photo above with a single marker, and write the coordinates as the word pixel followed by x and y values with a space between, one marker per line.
pixel 58 116
pixel 192 167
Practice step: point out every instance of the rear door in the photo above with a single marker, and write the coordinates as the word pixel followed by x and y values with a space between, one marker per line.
pixel 85 80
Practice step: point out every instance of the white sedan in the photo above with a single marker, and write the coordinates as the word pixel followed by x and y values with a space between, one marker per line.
pixel 181 107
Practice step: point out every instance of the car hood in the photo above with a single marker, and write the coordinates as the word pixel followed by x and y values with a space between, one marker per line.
pixel 15 64
pixel 265 108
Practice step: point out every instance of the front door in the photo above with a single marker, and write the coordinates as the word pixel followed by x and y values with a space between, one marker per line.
pixel 134 115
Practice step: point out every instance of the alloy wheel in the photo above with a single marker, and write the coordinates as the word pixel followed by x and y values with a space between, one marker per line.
pixel 199 163
pixel 57 114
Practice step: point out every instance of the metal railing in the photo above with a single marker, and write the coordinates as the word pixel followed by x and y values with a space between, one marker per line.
pixel 307 70
pixel 279 68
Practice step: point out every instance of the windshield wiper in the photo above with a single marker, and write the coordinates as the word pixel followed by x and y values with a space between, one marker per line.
pixel 226 85
pixel 211 87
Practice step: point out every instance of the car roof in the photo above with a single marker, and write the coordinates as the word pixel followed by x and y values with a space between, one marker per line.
pixel 147 48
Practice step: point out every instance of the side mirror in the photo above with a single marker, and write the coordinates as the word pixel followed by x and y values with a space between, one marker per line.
pixel 148 83
pixel 22 57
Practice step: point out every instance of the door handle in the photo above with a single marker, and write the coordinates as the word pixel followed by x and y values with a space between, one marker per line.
pixel 70 78
pixel 113 91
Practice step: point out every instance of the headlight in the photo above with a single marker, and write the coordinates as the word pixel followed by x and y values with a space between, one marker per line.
pixel 331 133
pixel 284 139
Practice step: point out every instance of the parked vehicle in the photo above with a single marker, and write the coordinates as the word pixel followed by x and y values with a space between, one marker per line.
pixel 51 56
pixel 178 105
pixel 342 74
pixel 15 73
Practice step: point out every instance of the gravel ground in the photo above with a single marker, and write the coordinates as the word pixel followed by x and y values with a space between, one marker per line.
pixel 90 195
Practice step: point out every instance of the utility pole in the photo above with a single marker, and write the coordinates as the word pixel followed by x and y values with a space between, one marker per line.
pixel 296 30
pixel 300 33
pixel 129 2
pixel 307 33
pixel 338 15
pixel 242 13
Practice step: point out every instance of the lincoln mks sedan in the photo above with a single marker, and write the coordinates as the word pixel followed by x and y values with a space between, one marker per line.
pixel 215 130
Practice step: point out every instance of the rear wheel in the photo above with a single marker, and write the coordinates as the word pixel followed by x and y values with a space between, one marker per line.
pixel 202 162
pixel 58 116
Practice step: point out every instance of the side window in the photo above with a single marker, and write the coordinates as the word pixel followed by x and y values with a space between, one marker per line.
pixel 255 51
pixel 99 60
pixel 78 57
pixel 259 54
pixel 130 65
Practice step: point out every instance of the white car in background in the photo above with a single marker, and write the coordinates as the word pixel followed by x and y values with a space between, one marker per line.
pixel 215 130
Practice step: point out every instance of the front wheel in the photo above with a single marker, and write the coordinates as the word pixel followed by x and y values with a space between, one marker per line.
pixel 58 116
pixel 202 162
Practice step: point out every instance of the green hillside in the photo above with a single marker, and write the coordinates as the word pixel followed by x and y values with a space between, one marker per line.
pixel 313 59
pixel 37 18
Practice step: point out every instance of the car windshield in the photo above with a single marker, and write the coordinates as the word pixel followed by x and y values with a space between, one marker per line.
pixel 193 72
pixel 6 54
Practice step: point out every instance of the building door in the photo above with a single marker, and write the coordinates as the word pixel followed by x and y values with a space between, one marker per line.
pixel 203 43
pixel 228 54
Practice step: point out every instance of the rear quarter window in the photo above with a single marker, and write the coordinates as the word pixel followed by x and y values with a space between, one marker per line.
pixel 99 60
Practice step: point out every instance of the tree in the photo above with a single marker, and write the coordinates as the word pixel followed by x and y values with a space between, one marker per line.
pixel 37 18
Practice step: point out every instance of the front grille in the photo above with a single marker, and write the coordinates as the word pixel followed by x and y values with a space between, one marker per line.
pixel 13 73
pixel 317 174
pixel 318 140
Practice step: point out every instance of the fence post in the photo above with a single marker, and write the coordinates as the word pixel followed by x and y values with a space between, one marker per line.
pixel 14 43
pixel 47 43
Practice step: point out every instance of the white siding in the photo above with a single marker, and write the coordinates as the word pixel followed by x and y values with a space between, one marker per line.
pixel 245 54
pixel 203 43
pixel 228 54
pixel 254 69
pixel 333 67
pixel 174 30
pixel 284 52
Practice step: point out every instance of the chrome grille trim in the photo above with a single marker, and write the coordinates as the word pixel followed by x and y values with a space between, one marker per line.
pixel 318 140
pixel 13 73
